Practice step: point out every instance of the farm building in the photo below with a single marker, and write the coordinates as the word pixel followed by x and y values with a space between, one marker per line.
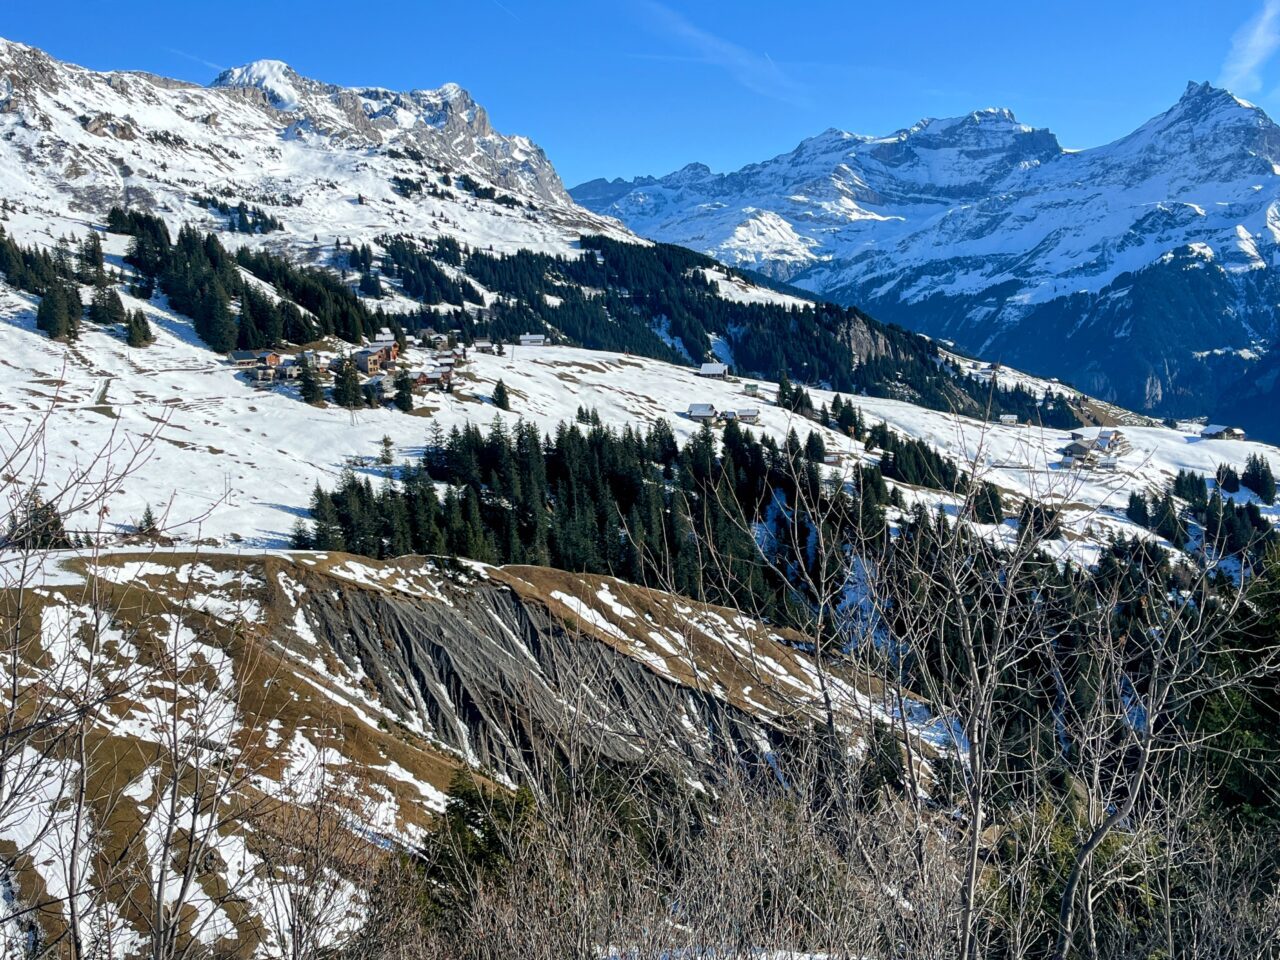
pixel 1217 431
pixel 702 411
pixel 717 371
pixel 243 358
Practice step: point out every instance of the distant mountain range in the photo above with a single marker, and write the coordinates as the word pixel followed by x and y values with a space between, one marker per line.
pixel 1143 271
pixel 342 162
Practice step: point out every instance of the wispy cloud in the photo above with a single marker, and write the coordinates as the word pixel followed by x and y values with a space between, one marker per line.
pixel 194 59
pixel 507 10
pixel 756 72
pixel 1251 47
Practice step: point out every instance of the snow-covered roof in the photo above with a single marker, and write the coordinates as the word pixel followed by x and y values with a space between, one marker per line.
pixel 713 369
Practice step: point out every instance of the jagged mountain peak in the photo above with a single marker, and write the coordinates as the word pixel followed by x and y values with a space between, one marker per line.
pixel 274 77
pixel 982 229
pixel 83 140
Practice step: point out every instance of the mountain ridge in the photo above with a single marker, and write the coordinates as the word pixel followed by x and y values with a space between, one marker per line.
pixel 986 231
pixel 77 141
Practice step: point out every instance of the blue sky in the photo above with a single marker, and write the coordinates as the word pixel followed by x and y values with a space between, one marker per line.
pixel 623 87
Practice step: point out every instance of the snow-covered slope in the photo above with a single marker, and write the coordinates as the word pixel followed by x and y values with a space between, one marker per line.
pixel 1112 266
pixel 224 462
pixel 327 161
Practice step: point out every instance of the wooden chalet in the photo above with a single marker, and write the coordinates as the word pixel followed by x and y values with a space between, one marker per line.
pixel 1217 431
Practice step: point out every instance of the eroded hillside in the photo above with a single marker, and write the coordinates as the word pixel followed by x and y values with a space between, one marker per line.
pixel 172 713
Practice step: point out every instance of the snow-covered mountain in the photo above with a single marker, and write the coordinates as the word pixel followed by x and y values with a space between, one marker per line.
pixel 327 161
pixel 1141 269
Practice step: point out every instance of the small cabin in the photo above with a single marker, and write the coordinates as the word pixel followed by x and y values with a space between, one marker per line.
pixel 269 358
pixel 717 371
pixel 483 346
pixel 1217 431
pixel 1009 419
pixel 243 358
pixel 1078 449
pixel 702 411
pixel 533 339
pixel 749 415
pixel 751 389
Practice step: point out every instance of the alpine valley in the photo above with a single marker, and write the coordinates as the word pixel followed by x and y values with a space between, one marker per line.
pixel 1142 271
pixel 402 556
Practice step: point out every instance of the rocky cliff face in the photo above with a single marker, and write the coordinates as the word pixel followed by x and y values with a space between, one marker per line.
pixel 267 688
pixel 1118 267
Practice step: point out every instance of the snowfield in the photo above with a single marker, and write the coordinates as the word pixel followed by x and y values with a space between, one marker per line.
pixel 224 462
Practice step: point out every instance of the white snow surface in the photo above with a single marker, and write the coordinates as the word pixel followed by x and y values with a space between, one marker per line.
pixel 320 157
pixel 219 460
pixel 967 203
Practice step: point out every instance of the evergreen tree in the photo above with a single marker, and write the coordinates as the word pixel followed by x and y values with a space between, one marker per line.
pixel 1167 523
pixel 36 525
pixel 1257 477
pixel 1137 510
pixel 138 330
pixel 220 329
pixel 346 385
pixel 308 382
pixel 987 507
pixel 500 398
pixel 1228 479
pixel 58 314
pixel 92 268
pixel 404 392
pixel 106 308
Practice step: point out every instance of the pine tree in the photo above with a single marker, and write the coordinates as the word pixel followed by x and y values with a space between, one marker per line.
pixel 500 398
pixel 388 455
pixel 308 382
pixel 106 308
pixel 1137 510
pixel 346 385
pixel 148 525
pixel 987 507
pixel 1257 477
pixel 1167 523
pixel 138 330
pixel 1228 479
pixel 58 313
pixel 92 268
pixel 220 330
pixel 404 392
pixel 327 533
